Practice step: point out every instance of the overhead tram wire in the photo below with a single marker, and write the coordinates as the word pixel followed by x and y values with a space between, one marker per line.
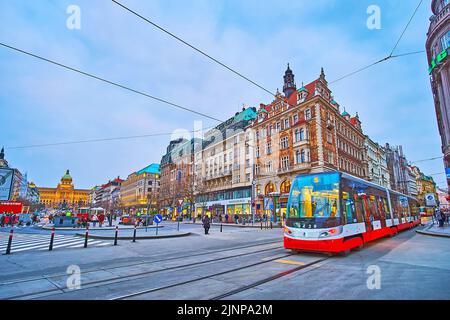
pixel 406 27
pixel 193 47
pixel 391 55
pixel 429 159
pixel 102 139
pixel 109 82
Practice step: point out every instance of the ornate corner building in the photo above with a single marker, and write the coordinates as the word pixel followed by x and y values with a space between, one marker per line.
pixel 304 131
pixel 438 49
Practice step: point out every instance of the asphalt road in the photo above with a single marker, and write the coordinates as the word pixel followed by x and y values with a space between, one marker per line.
pixel 235 264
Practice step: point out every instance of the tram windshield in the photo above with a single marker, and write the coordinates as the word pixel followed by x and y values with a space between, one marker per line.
pixel 314 201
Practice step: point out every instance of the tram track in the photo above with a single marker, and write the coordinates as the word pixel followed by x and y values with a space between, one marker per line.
pixel 141 275
pixel 232 292
pixel 142 262
pixel 143 292
pixel 267 280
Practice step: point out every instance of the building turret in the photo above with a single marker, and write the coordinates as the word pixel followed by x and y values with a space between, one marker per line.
pixel 289 82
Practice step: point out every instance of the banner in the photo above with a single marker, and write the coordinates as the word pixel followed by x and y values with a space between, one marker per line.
pixel 6 181
pixel 430 200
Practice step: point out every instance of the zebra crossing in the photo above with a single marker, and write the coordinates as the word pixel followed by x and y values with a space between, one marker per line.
pixel 27 242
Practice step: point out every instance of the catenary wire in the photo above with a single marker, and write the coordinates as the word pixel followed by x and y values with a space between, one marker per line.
pixel 193 47
pixel 108 81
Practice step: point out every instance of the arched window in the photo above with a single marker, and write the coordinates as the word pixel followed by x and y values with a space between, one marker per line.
pixel 270 187
pixel 285 186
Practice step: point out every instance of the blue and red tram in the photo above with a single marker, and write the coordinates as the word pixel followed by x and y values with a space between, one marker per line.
pixel 335 212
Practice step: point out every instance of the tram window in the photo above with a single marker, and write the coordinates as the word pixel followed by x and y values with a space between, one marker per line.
pixel 373 208
pixel 381 209
pixel 386 208
pixel 349 208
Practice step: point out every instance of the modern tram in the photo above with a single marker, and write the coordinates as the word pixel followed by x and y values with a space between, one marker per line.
pixel 335 212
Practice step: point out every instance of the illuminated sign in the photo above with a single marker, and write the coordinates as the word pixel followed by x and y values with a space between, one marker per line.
pixel 6 181
pixel 439 58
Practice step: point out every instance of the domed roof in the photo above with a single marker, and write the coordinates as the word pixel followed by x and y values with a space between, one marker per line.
pixel 67 176
pixel 345 113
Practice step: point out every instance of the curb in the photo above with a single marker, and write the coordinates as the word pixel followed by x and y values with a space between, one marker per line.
pixel 435 234
pixel 256 225
pixel 96 229
pixel 185 234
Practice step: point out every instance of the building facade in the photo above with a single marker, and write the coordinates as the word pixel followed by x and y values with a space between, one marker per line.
pixel 64 195
pixel 425 186
pixel 140 191
pixel 438 50
pixel 176 195
pixel 104 195
pixel 399 174
pixel 223 168
pixel 303 131
pixel 377 164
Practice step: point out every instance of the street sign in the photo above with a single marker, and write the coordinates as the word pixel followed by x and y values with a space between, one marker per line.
pixel 157 218
pixel 180 201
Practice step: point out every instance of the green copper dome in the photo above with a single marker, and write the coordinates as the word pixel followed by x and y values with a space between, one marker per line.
pixel 345 113
pixel 67 176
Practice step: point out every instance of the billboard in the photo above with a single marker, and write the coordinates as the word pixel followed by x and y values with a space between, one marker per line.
pixel 430 200
pixel 6 181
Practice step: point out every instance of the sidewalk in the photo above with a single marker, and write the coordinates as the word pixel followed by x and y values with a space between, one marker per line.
pixel 434 230
pixel 107 227
pixel 140 234
pixel 235 225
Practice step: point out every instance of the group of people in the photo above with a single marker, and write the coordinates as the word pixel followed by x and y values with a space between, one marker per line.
pixel 441 217
pixel 11 219
pixel 84 221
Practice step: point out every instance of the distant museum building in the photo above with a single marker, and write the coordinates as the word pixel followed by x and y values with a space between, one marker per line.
pixel 64 195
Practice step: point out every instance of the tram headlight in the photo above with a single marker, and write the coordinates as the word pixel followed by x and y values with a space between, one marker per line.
pixel 330 233
pixel 287 230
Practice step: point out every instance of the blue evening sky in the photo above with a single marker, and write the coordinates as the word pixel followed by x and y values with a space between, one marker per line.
pixel 41 103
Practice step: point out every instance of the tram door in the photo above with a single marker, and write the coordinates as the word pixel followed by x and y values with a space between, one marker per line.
pixel 382 213
pixel 367 216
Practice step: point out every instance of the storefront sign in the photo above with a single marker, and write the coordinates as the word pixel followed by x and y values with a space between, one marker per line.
pixel 439 58
pixel 6 181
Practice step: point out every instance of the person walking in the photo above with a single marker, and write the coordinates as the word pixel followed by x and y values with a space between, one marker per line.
pixel 206 223
pixel 94 220
pixel 101 219
pixel 2 221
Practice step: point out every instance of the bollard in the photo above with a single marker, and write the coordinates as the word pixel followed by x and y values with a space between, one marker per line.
pixel 271 227
pixel 115 236
pixel 178 226
pixel 134 234
pixel 261 224
pixel 157 228
pixel 221 227
pixel 86 236
pixel 52 237
pixel 8 248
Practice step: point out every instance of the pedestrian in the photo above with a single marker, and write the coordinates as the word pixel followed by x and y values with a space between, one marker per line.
pixel 101 219
pixel 2 221
pixel 236 218
pixel 206 223
pixel 94 220
pixel 226 217
pixel 442 219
